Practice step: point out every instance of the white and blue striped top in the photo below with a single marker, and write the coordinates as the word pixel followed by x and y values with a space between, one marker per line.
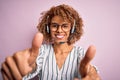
pixel 47 68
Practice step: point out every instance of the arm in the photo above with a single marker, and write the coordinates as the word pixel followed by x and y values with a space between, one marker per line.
pixel 22 62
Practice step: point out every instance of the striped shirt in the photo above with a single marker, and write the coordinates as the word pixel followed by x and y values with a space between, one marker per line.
pixel 47 68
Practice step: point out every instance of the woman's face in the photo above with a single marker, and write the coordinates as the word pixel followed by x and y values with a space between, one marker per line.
pixel 59 29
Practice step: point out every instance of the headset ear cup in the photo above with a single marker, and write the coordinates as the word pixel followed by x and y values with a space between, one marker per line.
pixel 73 28
pixel 48 29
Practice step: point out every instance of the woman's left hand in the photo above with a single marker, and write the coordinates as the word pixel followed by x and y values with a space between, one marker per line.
pixel 87 71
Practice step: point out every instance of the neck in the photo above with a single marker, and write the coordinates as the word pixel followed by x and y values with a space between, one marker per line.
pixel 62 48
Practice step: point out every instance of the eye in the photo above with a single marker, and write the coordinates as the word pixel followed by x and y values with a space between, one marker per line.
pixel 65 26
pixel 54 25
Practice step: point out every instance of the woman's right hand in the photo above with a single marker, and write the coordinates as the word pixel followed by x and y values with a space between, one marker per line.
pixel 22 62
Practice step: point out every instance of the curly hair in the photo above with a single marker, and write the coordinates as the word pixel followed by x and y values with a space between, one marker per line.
pixel 67 13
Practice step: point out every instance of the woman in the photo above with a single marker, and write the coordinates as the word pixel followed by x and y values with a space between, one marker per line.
pixel 58 58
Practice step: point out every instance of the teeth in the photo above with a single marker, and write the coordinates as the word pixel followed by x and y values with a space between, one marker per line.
pixel 59 36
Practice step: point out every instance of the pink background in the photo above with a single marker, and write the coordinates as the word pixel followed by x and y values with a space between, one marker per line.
pixel 18 20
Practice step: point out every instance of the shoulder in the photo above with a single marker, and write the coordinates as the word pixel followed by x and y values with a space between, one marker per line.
pixel 79 51
pixel 43 52
pixel 45 46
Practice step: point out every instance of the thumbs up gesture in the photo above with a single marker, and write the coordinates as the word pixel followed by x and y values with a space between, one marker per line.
pixel 87 71
pixel 23 62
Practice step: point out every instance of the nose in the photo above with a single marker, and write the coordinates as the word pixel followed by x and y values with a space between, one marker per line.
pixel 59 29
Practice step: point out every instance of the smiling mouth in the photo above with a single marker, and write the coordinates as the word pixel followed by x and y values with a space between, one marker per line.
pixel 60 36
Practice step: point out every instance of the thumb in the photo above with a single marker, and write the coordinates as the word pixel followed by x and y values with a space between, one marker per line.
pixel 36 43
pixel 85 63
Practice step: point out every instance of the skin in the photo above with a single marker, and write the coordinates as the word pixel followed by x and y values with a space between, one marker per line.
pixel 23 62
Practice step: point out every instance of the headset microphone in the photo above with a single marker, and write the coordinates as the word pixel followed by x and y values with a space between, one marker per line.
pixel 61 42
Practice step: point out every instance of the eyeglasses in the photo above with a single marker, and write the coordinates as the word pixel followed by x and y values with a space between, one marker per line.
pixel 55 26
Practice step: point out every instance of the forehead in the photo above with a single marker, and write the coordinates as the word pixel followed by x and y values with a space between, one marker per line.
pixel 59 19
